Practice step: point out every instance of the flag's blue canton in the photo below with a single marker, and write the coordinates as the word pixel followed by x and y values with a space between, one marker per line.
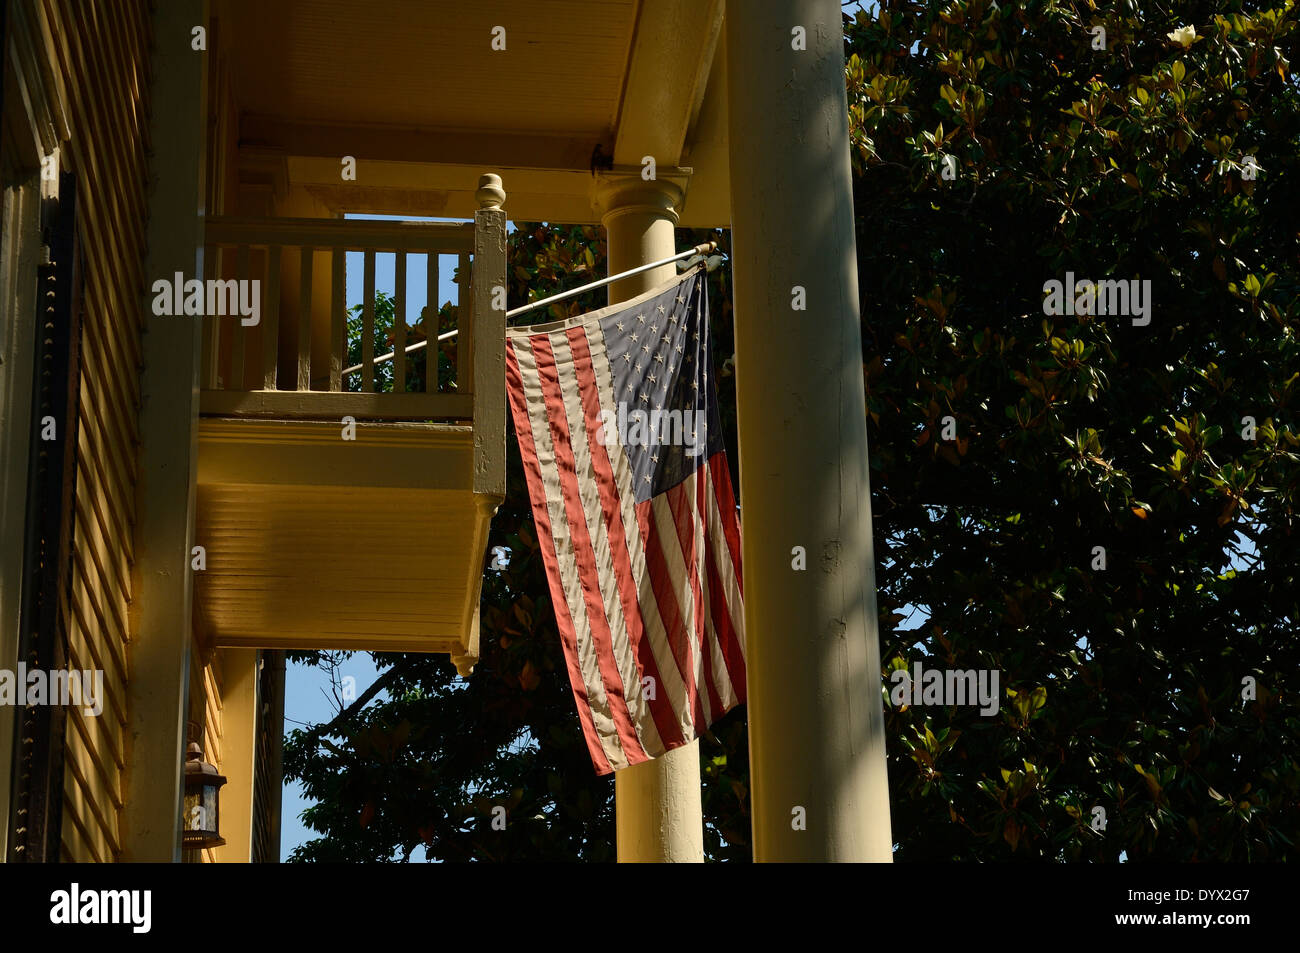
pixel 660 360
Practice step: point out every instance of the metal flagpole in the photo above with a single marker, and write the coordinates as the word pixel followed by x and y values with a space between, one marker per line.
pixel 704 249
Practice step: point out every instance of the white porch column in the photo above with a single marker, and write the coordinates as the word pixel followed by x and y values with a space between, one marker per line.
pixel 161 617
pixel 657 803
pixel 816 722
pixel 239 670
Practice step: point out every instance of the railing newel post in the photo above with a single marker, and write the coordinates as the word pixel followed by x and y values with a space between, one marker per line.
pixel 488 321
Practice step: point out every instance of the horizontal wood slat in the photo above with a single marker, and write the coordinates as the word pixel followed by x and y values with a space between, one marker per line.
pixel 348 234
pixel 321 405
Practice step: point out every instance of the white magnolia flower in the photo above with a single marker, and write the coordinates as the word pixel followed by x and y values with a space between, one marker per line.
pixel 1183 36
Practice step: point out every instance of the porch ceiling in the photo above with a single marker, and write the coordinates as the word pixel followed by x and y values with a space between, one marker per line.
pixel 414 91
pixel 429 64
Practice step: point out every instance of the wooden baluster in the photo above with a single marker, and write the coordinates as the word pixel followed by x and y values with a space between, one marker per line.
pixel 239 332
pixel 431 326
pixel 271 319
pixel 368 325
pixel 211 325
pixel 338 326
pixel 399 325
pixel 465 322
pixel 304 320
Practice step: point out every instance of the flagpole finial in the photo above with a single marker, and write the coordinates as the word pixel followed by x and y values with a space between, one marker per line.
pixel 490 194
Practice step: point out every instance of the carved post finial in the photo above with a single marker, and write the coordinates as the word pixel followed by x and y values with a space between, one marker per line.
pixel 489 192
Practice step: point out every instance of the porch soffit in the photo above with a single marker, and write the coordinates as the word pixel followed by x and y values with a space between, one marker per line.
pixel 414 91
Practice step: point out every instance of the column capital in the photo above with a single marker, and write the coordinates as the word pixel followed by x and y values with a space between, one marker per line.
pixel 621 194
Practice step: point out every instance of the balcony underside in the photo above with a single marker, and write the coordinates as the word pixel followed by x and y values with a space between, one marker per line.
pixel 314 541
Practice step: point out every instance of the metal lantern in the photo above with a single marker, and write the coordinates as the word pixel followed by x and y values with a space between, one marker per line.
pixel 201 819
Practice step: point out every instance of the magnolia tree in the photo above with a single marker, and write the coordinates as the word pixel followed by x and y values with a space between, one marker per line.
pixel 1077 252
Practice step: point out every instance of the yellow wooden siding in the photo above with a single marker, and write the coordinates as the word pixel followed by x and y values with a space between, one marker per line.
pixel 99 53
pixel 205 714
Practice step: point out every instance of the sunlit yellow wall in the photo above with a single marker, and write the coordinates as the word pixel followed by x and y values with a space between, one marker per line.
pixel 100 53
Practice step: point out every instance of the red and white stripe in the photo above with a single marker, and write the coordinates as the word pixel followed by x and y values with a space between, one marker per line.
pixel 646 595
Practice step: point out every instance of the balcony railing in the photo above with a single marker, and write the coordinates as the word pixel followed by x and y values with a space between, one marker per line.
pixel 293 362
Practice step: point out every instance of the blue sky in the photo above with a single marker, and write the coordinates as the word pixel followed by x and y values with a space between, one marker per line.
pixel 307 700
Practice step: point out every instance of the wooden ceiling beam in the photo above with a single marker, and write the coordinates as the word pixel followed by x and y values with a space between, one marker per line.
pixel 666 81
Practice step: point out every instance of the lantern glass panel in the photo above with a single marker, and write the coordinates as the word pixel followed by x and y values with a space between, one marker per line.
pixel 201 821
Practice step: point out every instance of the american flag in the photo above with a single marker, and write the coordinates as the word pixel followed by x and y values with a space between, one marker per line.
pixel 622 448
